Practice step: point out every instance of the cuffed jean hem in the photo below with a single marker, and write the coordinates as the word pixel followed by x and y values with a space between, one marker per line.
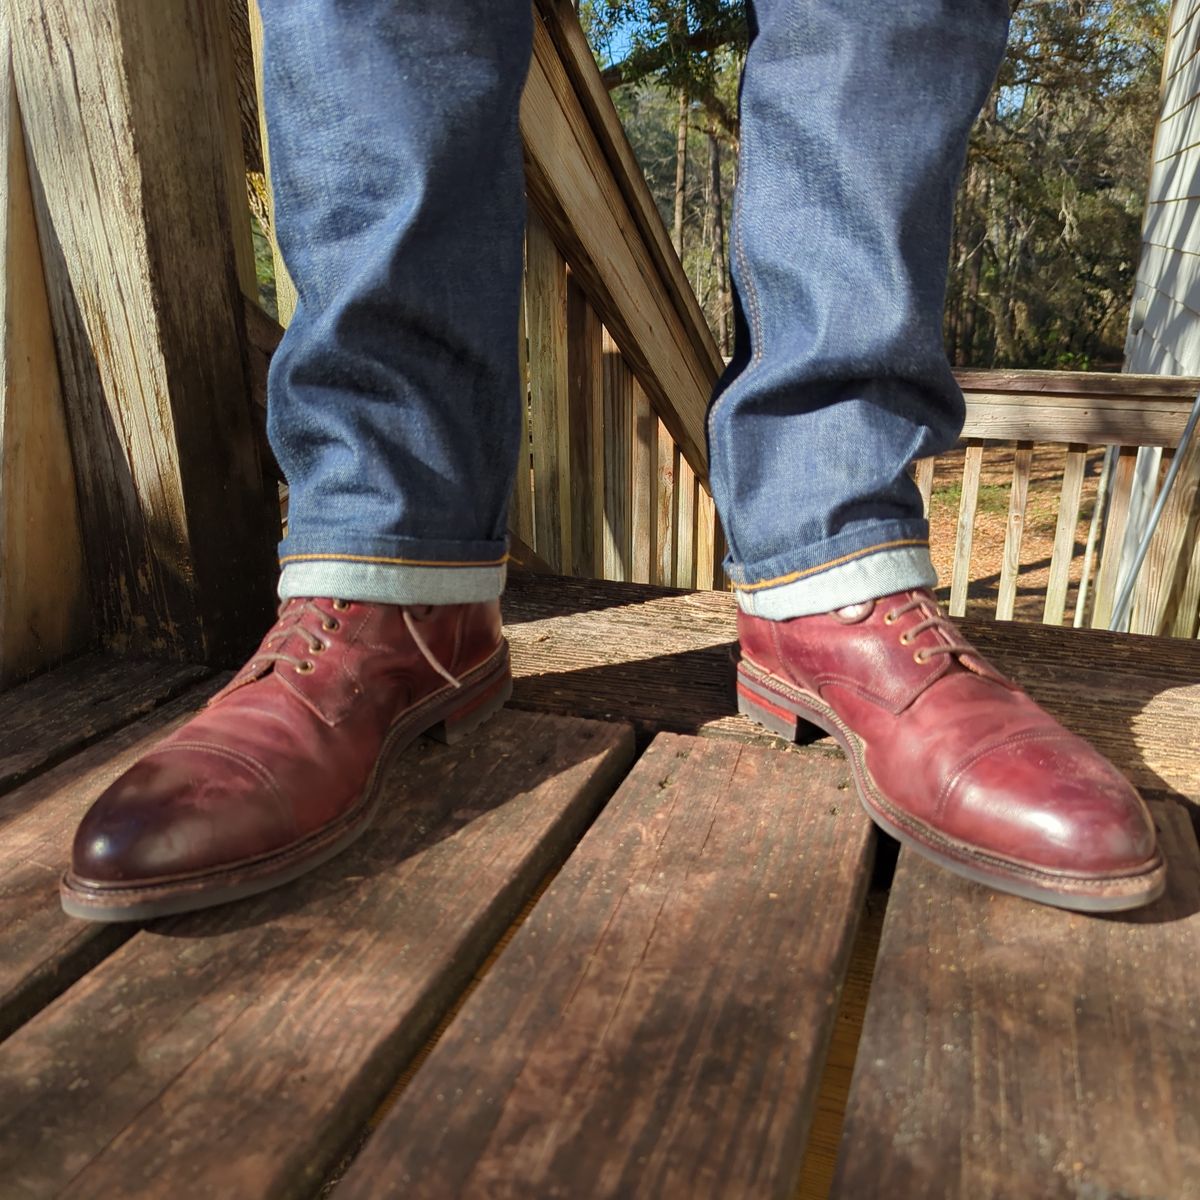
pixel 897 569
pixel 386 583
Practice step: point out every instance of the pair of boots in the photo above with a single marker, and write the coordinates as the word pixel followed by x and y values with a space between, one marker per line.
pixel 280 771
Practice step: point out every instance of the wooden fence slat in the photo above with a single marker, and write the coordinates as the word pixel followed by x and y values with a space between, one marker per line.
pixel 549 411
pixel 273 1028
pixel 619 437
pixel 657 1024
pixel 666 512
pixel 1162 582
pixel 44 610
pixel 968 500
pixel 120 108
pixel 1016 1050
pixel 685 525
pixel 585 428
pixel 1010 567
pixel 1064 536
pixel 1120 492
pixel 706 522
pixel 520 517
pixel 644 490
pixel 924 476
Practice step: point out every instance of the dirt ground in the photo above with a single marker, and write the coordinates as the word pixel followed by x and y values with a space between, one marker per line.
pixel 991 520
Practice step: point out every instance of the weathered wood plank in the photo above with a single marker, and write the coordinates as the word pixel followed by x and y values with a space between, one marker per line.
pixel 1120 492
pixel 549 411
pixel 1064 535
pixel 1012 1049
pixel 119 102
pixel 645 490
pixel 968 500
pixel 1010 567
pixel 661 659
pixel 618 463
pixel 572 188
pixel 273 1027
pixel 43 951
pixel 688 961
pixel 55 715
pixel 1147 421
pixel 585 422
pixel 924 477
pixel 44 613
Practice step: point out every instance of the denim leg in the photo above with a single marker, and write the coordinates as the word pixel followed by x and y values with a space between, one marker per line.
pixel 399 192
pixel 855 118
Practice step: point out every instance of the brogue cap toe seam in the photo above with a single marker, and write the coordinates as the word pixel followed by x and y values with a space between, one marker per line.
pixel 978 755
pixel 259 770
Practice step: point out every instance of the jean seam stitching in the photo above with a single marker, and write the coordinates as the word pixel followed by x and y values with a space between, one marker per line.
pixel 792 576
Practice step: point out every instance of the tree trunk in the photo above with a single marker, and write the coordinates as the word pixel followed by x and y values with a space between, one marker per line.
pixel 718 220
pixel 680 172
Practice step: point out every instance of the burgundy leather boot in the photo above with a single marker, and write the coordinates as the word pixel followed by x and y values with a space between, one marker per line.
pixel 952 758
pixel 280 771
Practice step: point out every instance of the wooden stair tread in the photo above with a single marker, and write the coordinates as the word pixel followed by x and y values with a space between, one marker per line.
pixel 42 950
pixel 660 658
pixel 47 719
pixel 658 1024
pixel 239 1051
pixel 1016 1050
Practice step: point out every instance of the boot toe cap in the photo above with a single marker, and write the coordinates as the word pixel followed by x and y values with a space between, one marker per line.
pixel 1055 803
pixel 176 813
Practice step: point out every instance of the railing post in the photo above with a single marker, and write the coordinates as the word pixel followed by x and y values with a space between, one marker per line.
pixel 43 594
pixel 121 105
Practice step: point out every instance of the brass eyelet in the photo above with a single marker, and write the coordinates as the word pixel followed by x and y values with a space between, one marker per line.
pixel 341 605
pixel 920 658
pixel 318 647
pixel 307 667
pixel 889 617
pixel 905 639
pixel 331 625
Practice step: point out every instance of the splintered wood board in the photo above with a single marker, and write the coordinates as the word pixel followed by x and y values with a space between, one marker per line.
pixel 658 1024
pixel 238 1052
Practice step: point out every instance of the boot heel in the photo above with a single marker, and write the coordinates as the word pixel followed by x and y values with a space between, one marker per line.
pixel 474 711
pixel 765 713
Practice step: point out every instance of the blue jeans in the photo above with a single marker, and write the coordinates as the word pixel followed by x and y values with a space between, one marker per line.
pixel 394 406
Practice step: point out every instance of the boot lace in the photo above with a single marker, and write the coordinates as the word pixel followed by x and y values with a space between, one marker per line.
pixel 934 620
pixel 309 621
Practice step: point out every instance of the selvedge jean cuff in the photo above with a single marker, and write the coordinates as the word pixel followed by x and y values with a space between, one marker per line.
pixel 393 570
pixel 867 577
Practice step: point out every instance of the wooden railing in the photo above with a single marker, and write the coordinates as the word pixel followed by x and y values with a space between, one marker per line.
pixel 1074 412
pixel 139 507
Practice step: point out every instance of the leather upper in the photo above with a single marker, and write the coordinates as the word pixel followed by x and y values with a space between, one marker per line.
pixel 287 746
pixel 950 741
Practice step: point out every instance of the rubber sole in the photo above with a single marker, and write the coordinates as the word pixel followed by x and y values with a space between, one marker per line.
pixel 449 715
pixel 777 706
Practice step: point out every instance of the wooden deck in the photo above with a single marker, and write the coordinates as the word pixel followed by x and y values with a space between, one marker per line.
pixel 603 950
